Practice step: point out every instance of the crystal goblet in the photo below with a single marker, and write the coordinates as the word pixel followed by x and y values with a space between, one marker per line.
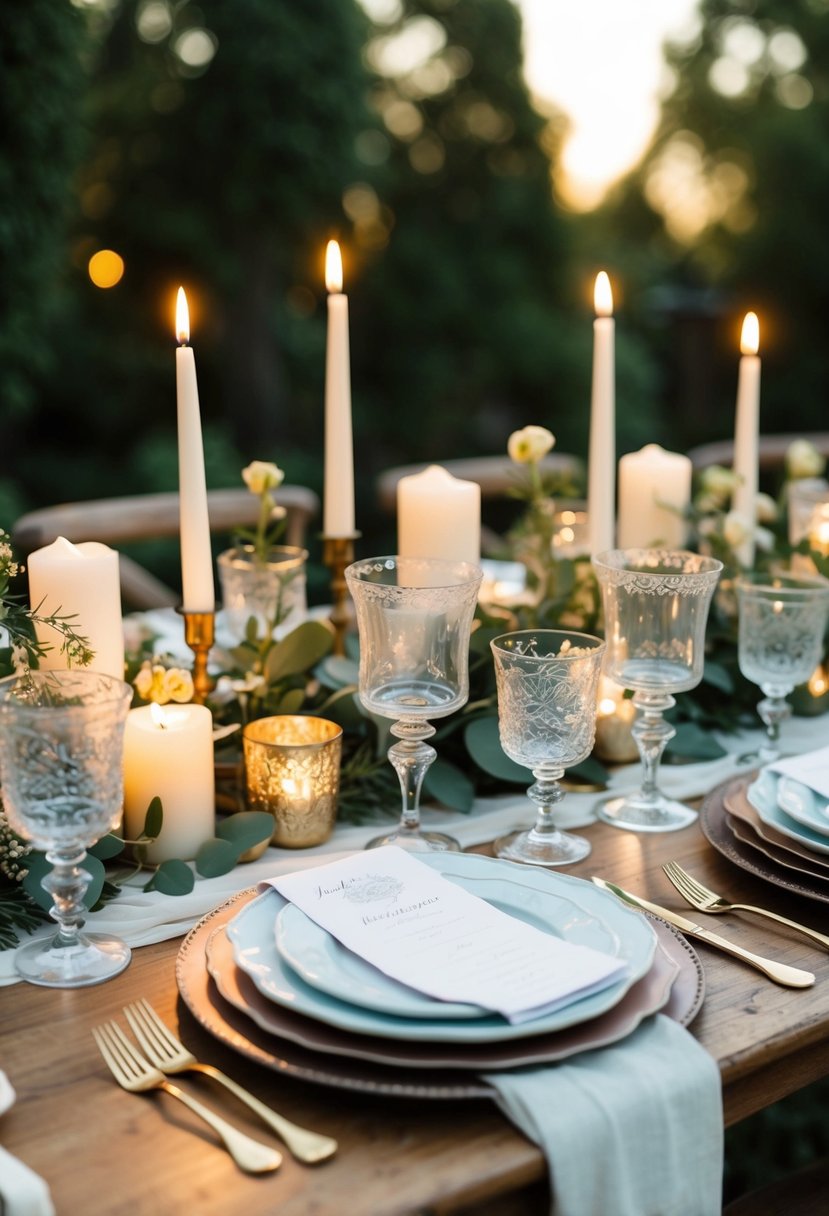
pixel 414 618
pixel 656 604
pixel 61 748
pixel 782 622
pixel 547 683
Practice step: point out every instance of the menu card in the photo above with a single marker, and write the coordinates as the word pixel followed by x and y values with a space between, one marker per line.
pixel 429 933
pixel 810 768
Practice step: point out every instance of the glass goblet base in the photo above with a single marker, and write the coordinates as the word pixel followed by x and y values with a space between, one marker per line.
pixel 536 848
pixel 639 814
pixel 414 840
pixel 90 958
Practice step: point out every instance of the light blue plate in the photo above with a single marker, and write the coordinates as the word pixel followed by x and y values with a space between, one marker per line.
pixel 763 796
pixel 803 804
pixel 568 907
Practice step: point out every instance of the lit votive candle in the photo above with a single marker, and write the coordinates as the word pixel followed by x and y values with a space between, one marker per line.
pixel 614 721
pixel 292 771
pixel 168 753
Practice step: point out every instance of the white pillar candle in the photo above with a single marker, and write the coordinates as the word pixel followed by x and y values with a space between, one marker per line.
pixel 168 753
pixel 83 582
pixel 747 434
pixel 601 464
pixel 654 492
pixel 338 505
pixel 439 515
pixel 198 594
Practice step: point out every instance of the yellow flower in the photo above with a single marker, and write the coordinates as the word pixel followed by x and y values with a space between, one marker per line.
pixel 530 444
pixel 261 476
pixel 178 685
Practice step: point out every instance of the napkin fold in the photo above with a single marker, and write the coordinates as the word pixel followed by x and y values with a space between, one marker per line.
pixel 633 1129
pixel 22 1191
pixel 809 768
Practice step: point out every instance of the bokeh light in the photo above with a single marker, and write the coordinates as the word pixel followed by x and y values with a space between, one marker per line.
pixel 106 268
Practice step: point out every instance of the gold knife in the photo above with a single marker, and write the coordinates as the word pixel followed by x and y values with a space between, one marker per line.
pixel 790 977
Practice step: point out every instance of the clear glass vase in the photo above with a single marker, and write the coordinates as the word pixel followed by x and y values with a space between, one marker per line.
pixel 270 592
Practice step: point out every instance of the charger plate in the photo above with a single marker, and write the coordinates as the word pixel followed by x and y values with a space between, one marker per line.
pixel 233 1027
pixel 714 825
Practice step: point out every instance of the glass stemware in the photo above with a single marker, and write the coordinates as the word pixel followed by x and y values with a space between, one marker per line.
pixel 782 622
pixel 414 617
pixel 656 604
pixel 61 748
pixel 548 683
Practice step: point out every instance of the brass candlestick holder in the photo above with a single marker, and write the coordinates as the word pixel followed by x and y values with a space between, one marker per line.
pixel 337 553
pixel 199 632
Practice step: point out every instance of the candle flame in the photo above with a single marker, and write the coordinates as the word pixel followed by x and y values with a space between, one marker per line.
pixel 333 267
pixel 182 318
pixel 158 716
pixel 603 296
pixel 607 706
pixel 750 337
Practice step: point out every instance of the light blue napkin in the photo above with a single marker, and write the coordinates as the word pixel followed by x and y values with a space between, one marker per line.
pixel 633 1129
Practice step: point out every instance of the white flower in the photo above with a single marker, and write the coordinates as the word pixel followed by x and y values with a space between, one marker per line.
pixel 718 484
pixel 766 509
pixel 736 529
pixel 531 443
pixel 261 476
pixel 764 539
pixel 804 460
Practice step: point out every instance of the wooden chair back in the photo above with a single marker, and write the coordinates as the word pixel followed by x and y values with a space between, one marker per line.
pixel 151 516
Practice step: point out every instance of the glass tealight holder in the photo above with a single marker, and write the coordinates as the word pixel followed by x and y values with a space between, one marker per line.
pixel 292 771
pixel 271 592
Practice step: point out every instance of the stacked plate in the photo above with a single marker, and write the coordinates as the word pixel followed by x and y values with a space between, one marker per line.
pixel 774 827
pixel 268 981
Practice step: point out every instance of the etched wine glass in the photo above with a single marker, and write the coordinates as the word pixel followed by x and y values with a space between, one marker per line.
pixel 61 759
pixel 548 682
pixel 782 623
pixel 656 604
pixel 414 618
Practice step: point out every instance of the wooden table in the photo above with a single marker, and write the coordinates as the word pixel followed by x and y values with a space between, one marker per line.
pixel 106 1152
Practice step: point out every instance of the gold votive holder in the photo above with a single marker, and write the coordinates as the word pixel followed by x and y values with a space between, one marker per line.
pixel 292 771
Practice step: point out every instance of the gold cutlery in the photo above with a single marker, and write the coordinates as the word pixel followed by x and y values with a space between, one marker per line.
pixel 170 1055
pixel 705 900
pixel 137 1075
pixel 790 977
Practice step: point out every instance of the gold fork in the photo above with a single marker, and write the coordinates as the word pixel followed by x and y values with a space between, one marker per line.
pixel 170 1055
pixel 706 900
pixel 137 1075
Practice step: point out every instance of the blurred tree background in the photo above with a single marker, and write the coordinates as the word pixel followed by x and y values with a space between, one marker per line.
pixel 221 143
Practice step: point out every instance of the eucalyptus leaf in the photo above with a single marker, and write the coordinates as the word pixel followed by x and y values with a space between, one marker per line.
pixel 38 867
pixel 246 829
pixel 717 676
pixel 484 746
pixel 300 650
pixel 105 848
pixel 344 708
pixel 449 785
pixel 591 770
pixel 172 878
pixel 217 857
pixel 292 701
pixel 691 742
pixel 251 630
pixel 335 671
pixel 154 819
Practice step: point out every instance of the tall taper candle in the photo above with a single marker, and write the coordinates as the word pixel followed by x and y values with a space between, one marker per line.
pixel 746 434
pixel 338 507
pixel 601 467
pixel 198 593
